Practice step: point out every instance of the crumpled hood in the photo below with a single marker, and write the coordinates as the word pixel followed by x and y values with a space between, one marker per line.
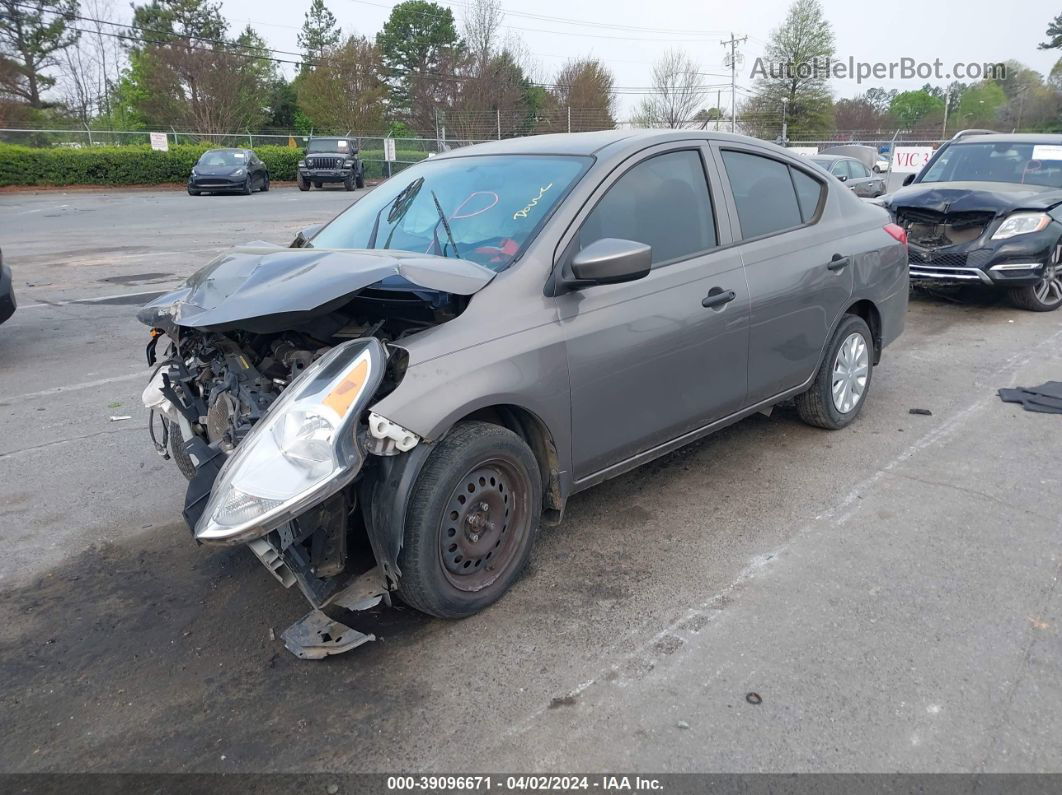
pixel 955 197
pixel 259 280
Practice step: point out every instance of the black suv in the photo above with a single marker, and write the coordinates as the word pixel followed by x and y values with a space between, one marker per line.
pixel 987 208
pixel 331 160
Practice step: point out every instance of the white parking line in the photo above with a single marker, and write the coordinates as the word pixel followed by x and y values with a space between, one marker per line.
pixel 96 299
pixel 57 390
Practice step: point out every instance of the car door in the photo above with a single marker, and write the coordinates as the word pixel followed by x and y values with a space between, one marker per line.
pixel 652 359
pixel 796 262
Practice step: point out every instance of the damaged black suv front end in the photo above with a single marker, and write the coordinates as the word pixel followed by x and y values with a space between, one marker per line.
pixel 986 210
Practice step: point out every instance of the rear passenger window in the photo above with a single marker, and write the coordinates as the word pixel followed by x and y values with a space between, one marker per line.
pixel 809 192
pixel 763 192
pixel 662 201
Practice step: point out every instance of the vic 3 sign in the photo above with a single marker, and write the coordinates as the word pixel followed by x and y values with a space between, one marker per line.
pixel 910 159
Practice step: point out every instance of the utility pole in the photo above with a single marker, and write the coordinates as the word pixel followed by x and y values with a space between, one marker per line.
pixel 732 44
pixel 947 103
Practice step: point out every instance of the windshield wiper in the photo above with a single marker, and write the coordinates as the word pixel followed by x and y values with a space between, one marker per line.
pixel 398 207
pixel 446 226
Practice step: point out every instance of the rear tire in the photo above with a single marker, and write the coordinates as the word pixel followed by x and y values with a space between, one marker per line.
pixel 304 184
pixel 827 404
pixel 473 514
pixel 318 185
pixel 1043 297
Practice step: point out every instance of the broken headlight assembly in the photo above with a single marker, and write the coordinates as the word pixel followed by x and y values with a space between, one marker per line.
pixel 304 449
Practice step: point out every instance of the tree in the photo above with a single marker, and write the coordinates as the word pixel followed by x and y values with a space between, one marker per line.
pixel 92 67
pixel 585 88
pixel 185 71
pixel 797 53
pixel 33 35
pixel 859 114
pixel 421 51
pixel 980 104
pixel 911 107
pixel 1054 33
pixel 345 91
pixel 676 81
pixel 320 32
pixel 482 24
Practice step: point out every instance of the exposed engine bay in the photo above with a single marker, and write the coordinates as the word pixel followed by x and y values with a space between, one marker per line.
pixel 317 336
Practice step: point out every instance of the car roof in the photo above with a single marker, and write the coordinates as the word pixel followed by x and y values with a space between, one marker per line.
pixel 226 149
pixel 830 157
pixel 1009 138
pixel 598 142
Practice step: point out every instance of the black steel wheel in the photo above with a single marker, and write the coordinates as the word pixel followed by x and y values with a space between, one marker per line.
pixel 473 513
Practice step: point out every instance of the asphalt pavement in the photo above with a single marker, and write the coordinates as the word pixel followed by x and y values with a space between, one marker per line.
pixel 774 598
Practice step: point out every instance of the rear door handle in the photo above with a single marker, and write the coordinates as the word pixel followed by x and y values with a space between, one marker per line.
pixel 838 263
pixel 717 297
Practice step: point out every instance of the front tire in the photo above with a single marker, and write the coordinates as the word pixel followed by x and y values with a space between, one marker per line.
pixel 359 181
pixel 841 385
pixel 246 189
pixel 1043 297
pixel 265 184
pixel 348 182
pixel 304 184
pixel 473 514
pixel 192 192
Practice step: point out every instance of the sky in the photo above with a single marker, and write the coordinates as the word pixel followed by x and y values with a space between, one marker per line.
pixel 628 35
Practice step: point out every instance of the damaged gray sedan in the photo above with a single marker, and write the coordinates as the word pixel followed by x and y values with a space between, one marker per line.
pixel 396 402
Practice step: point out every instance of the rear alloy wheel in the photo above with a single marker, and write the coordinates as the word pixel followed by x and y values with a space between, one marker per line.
pixel 840 387
pixel 473 514
pixel 1045 296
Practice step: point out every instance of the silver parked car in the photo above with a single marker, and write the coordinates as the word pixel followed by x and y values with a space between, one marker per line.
pixel 852 173
pixel 396 402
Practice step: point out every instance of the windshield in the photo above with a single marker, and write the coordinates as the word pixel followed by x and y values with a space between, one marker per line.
pixel 328 145
pixel 484 209
pixel 1020 163
pixel 222 157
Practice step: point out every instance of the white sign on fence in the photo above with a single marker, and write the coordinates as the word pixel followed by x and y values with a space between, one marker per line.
pixel 806 151
pixel 160 142
pixel 910 159
pixel 389 150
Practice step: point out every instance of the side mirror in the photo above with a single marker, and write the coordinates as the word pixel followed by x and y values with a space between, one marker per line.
pixel 303 236
pixel 610 261
pixel 908 180
pixel 842 177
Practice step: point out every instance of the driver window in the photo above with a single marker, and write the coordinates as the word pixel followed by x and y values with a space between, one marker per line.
pixel 662 201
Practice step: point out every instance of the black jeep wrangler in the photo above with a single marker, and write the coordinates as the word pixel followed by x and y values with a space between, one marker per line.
pixel 331 160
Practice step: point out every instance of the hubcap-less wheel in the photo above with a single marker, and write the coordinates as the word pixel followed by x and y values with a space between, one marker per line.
pixel 481 526
pixel 1049 290
pixel 850 369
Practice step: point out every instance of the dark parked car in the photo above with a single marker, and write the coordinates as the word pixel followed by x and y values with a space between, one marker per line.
pixel 228 171
pixel 331 160
pixel 853 174
pixel 7 291
pixel 439 368
pixel 987 209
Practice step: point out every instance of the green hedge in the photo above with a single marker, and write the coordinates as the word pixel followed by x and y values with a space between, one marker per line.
pixel 141 165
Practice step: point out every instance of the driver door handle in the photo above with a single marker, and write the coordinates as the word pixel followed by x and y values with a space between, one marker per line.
pixel 717 297
pixel 838 263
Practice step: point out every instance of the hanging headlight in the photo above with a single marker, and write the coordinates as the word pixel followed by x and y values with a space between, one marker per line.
pixel 301 452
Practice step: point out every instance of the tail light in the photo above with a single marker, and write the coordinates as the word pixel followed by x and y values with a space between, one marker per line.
pixel 897 232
